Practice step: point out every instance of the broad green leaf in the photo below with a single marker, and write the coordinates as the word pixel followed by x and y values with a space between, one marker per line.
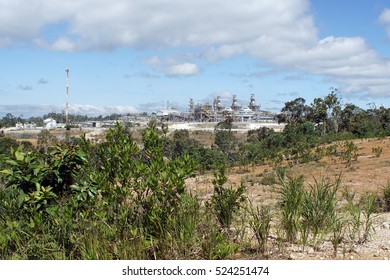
pixel 11 162
pixel 19 155
pixel 7 171
pixel 21 198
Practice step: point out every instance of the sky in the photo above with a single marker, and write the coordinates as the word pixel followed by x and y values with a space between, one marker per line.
pixel 128 56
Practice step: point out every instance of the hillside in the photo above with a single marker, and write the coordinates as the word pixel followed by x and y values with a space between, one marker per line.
pixel 368 174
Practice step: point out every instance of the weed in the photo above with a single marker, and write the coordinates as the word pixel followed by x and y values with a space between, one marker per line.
pixel 268 179
pixel 377 151
pixel 369 207
pixel 290 203
pixel 318 208
pixel 386 195
pixel 338 225
pixel 260 223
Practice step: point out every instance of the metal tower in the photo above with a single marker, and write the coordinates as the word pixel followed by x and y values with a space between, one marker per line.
pixel 67 97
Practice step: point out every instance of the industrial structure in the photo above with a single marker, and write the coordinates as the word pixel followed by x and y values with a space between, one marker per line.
pixel 67 98
pixel 216 112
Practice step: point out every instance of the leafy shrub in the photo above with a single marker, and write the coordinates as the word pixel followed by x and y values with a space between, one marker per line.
pixel 226 201
pixel 349 152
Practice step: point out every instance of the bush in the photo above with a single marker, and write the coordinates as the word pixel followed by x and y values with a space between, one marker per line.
pixel 226 201
pixel 386 194
pixel 377 151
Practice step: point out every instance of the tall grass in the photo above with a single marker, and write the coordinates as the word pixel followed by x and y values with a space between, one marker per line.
pixel 291 194
pixel 260 218
pixel 318 209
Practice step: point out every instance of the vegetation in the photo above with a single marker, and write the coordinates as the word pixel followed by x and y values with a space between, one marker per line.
pixel 129 199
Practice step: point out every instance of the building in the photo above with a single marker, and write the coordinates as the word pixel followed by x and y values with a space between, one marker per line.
pixel 50 123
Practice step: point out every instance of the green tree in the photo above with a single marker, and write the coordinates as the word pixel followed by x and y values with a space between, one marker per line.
pixel 294 111
pixel 227 143
pixel 318 114
pixel 332 102
pixel 9 120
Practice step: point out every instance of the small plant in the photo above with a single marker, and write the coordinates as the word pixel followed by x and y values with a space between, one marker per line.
pixel 214 244
pixel 386 194
pixel 331 150
pixel 260 224
pixel 369 207
pixel 377 151
pixel 349 153
pixel 338 224
pixel 354 219
pixel 226 201
pixel 268 179
pixel 318 208
pixel 290 202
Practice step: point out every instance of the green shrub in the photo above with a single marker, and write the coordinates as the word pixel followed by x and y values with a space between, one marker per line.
pixel 226 201
pixel 349 152
pixel 377 151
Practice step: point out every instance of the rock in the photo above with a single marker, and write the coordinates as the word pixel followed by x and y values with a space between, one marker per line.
pixel 351 258
pixel 385 225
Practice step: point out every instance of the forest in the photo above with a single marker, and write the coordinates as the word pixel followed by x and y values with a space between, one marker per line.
pixel 127 197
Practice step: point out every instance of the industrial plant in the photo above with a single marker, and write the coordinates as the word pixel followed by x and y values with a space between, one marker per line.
pixel 216 112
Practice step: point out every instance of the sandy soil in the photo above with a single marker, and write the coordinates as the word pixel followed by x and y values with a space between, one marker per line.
pixel 368 174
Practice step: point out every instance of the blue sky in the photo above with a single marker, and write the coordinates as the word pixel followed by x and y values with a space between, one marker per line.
pixel 133 56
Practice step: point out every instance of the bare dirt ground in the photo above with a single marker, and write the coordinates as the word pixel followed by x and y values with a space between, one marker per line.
pixel 368 174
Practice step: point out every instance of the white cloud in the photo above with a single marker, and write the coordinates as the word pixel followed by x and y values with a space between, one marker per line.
pixel 82 109
pixel 185 69
pixel 105 24
pixel 282 32
pixel 172 66
pixel 94 110
pixel 63 44
pixel 384 18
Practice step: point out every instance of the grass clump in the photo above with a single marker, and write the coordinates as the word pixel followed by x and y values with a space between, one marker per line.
pixel 291 194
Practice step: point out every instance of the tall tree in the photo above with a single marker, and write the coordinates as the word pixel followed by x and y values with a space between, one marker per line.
pixel 294 111
pixel 9 120
pixel 318 114
pixel 332 102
